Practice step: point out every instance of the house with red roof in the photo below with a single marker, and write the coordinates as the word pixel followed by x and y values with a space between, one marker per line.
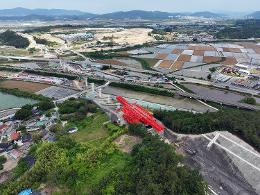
pixel 15 136
pixel 3 127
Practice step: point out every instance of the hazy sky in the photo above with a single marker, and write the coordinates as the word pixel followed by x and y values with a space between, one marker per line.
pixel 101 6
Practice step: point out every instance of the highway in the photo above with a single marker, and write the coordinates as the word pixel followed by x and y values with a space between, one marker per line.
pixel 180 92
pixel 183 79
pixel 28 58
pixel 207 99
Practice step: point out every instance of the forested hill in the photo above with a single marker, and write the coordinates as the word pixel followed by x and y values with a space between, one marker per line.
pixel 242 29
pixel 54 14
pixel 245 124
pixel 19 11
pixel 11 38
pixel 93 160
pixel 255 15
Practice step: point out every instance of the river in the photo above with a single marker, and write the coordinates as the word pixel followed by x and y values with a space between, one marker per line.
pixel 10 101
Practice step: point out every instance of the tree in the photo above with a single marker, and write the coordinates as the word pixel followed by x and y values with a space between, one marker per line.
pixel 20 169
pixel 22 128
pixel 249 100
pixel 243 123
pixel 32 50
pixel 24 113
pixel 57 128
pixel 36 137
pixel 11 38
pixel 155 170
pixel 45 105
pixel 2 161
pixel 209 77
pixel 213 69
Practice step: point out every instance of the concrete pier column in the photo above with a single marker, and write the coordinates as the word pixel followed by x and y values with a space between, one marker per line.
pixel 100 93
pixel 93 87
pixel 108 99
pixel 86 82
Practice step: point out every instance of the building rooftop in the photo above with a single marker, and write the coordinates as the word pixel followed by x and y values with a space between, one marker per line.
pixel 15 136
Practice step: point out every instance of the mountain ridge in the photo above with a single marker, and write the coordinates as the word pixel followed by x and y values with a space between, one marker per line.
pixel 21 13
pixel 255 15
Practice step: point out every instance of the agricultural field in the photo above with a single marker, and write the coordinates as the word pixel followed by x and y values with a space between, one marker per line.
pixel 11 51
pixel 182 56
pixel 23 85
pixel 137 63
pixel 151 62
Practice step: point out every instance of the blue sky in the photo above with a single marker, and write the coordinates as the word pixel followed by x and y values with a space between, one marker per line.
pixel 101 6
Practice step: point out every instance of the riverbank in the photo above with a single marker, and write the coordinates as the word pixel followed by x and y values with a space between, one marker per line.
pixel 23 94
pixel 8 101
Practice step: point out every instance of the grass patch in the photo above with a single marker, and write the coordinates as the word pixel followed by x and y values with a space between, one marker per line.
pixel 115 162
pixel 90 128
pixel 146 63
pixel 141 88
pixel 249 100
pixel 184 88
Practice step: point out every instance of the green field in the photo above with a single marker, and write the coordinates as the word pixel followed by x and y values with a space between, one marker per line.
pixel 116 162
pixel 13 51
pixel 90 154
pixel 151 62
pixel 89 161
pixel 91 128
pixel 147 63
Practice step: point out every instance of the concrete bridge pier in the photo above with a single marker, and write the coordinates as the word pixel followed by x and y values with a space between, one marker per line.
pixel 100 92
pixel 86 83
pixel 92 87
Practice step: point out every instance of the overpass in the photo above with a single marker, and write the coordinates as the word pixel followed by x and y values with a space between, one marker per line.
pixel 77 95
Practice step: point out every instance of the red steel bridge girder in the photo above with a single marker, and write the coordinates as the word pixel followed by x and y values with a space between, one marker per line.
pixel 134 113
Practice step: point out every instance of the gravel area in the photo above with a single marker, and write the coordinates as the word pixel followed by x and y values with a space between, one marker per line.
pixel 178 103
pixel 56 92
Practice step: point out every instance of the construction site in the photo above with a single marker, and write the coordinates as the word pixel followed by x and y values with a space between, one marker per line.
pixel 228 164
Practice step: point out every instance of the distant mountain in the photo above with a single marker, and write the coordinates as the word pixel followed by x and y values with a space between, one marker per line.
pixel 21 12
pixel 54 14
pixel 136 14
pixel 139 14
pixel 207 15
pixel 255 15
pixel 44 17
